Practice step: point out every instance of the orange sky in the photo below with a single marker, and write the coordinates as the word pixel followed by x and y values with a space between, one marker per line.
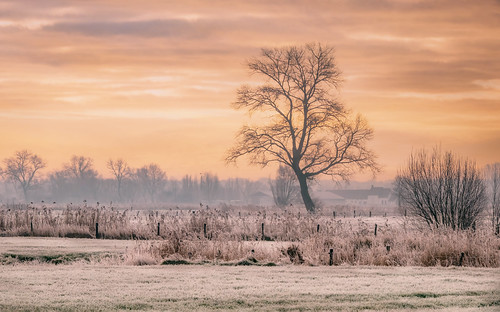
pixel 152 81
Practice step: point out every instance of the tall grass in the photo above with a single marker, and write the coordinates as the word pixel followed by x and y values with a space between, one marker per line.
pixel 235 235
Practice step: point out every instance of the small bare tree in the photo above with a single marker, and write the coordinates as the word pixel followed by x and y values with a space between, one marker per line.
pixel 80 168
pixel 284 187
pixel 308 130
pixel 209 186
pixel 22 169
pixel 492 175
pixel 442 189
pixel 152 178
pixel 79 172
pixel 121 171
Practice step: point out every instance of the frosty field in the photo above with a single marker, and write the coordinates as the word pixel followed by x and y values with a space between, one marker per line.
pixel 209 287
pixel 101 286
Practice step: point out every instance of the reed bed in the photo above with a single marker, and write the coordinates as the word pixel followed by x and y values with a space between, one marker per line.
pixel 258 236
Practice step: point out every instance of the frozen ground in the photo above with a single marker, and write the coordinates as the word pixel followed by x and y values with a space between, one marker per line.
pixel 99 287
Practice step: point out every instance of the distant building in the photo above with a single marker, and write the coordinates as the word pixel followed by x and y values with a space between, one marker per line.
pixel 373 197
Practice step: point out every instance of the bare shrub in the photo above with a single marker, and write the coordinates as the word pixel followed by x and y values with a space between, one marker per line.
pixel 442 189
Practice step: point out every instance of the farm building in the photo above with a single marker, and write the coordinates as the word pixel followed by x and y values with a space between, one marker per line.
pixel 373 197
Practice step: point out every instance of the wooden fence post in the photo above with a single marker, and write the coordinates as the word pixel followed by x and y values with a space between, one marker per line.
pixel 317 229
pixel 96 230
pixel 354 213
pixel 263 236
pixel 31 224
pixel 370 213
pixel 331 256
pixel 334 214
pixel 158 228
pixel 375 229
pixel 205 230
pixel 461 259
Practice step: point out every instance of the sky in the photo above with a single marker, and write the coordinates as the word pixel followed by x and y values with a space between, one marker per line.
pixel 153 81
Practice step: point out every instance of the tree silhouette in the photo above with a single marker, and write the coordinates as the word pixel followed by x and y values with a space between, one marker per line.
pixel 152 178
pixel 120 170
pixel 284 187
pixel 308 130
pixel 22 168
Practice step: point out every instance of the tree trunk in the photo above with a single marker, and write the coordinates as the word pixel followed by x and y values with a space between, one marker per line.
pixel 304 191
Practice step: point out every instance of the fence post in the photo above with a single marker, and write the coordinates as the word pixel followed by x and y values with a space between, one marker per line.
pixel 354 213
pixel 334 214
pixel 461 259
pixel 317 228
pixel 205 230
pixel 263 236
pixel 388 247
pixel 96 230
pixel 31 225
pixel 375 229
pixel 331 256
pixel 158 228
pixel 370 213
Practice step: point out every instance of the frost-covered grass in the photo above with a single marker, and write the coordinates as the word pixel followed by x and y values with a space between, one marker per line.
pixel 235 235
pixel 81 287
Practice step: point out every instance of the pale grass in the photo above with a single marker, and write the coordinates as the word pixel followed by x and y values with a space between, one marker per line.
pixel 209 287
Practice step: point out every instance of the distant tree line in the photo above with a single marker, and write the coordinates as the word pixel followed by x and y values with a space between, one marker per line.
pixel 79 180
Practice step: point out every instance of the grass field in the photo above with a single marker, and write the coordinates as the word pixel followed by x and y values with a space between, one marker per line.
pixel 209 287
pixel 38 285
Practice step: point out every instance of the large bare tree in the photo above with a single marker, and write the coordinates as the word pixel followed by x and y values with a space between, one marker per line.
pixel 442 189
pixel 120 170
pixel 22 168
pixel 308 129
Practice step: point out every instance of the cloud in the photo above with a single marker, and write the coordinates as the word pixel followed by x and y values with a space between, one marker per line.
pixel 155 28
pixel 416 69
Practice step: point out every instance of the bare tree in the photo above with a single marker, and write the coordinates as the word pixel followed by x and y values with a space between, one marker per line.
pixel 81 167
pixel 309 130
pixel 209 186
pixel 22 169
pixel 120 170
pixel 284 187
pixel 492 175
pixel 82 177
pixel 189 189
pixel 152 178
pixel 442 189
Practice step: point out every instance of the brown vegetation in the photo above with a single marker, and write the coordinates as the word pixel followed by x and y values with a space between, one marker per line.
pixel 211 235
